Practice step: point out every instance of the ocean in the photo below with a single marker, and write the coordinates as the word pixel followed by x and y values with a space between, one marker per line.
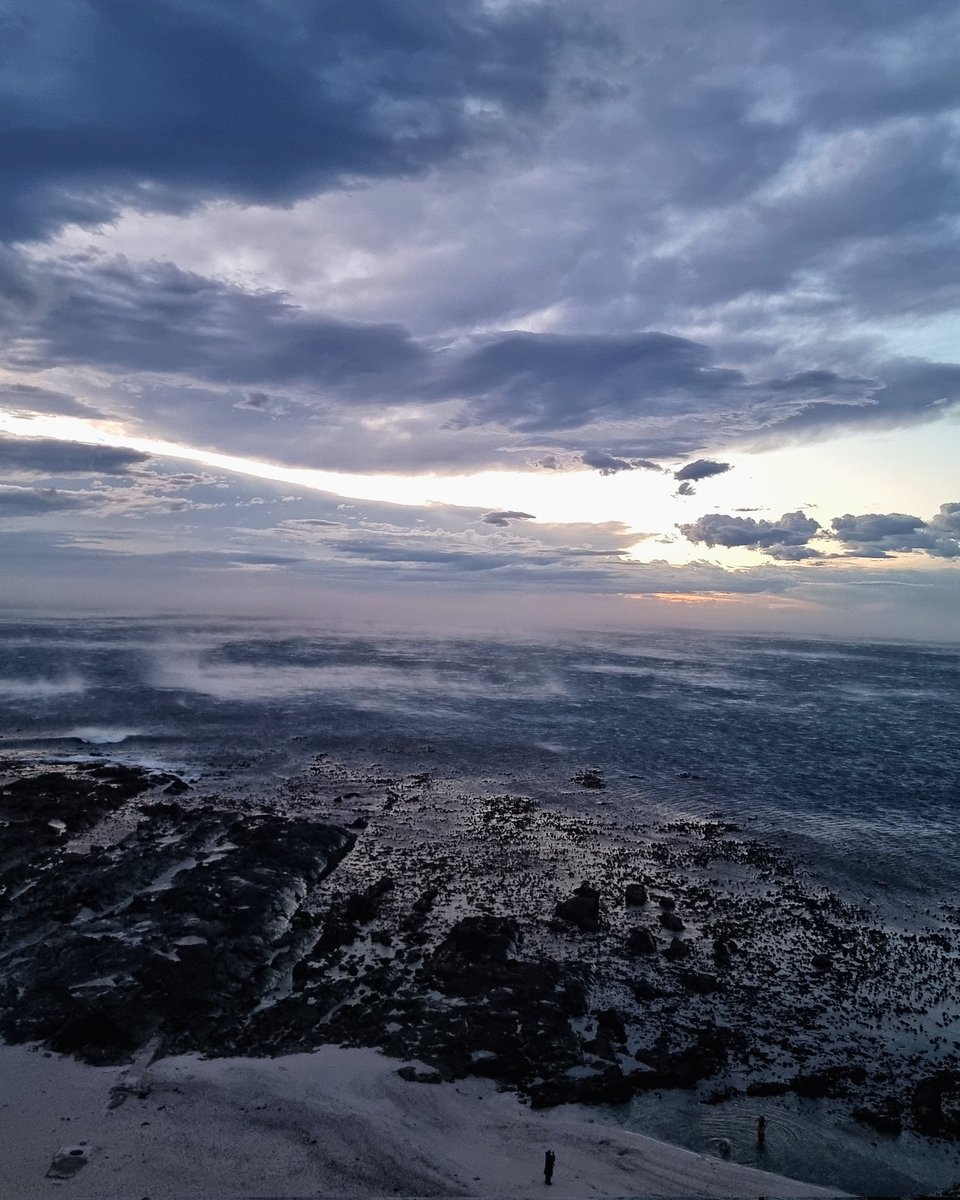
pixel 847 753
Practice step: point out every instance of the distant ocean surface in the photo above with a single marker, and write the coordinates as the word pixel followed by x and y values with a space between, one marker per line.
pixel 847 753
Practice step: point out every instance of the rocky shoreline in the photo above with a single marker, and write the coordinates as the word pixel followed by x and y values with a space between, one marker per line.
pixel 566 956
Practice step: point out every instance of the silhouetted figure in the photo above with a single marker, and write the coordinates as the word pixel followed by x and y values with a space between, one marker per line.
pixel 761 1130
pixel 549 1159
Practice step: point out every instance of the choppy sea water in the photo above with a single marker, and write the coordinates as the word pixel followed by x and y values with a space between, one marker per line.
pixel 849 752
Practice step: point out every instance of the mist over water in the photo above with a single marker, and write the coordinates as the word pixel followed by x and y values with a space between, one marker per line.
pixel 847 752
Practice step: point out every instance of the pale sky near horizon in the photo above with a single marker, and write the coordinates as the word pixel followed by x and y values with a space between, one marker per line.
pixel 454 313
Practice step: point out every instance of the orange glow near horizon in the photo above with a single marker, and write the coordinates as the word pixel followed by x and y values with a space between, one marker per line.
pixel 740 599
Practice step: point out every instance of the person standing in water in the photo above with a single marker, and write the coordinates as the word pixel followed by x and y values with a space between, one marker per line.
pixel 549 1159
pixel 761 1130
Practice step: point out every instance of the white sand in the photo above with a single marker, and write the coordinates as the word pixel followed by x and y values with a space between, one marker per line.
pixel 333 1123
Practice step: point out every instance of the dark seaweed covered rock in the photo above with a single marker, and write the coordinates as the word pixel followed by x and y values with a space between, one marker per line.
pixel 678 949
pixel 582 909
pixel 592 777
pixel 156 935
pixel 641 941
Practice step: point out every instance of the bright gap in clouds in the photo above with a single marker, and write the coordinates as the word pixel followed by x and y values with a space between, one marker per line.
pixel 641 501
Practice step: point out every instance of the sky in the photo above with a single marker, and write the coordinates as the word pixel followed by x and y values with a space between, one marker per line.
pixel 483 314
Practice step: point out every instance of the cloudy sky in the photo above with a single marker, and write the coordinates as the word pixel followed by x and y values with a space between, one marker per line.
pixel 462 312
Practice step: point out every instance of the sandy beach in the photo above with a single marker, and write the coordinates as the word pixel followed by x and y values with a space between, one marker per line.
pixel 336 1122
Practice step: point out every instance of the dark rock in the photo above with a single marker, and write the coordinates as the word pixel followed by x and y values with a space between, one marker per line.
pixel 608 1087
pixel 645 990
pixel 425 901
pixel 704 1058
pixel 933 1105
pixel 699 982
pixel 666 903
pixel 885 1117
pixel 768 1087
pixel 722 955
pixel 641 941
pixel 361 907
pixel 834 1082
pixel 413 1075
pixel 183 960
pixel 678 949
pixel 480 937
pixel 635 894
pixel 581 909
pixel 611 1023
pixel 98 1038
pixel 671 921
pixel 822 962
pixel 67 1162
pixel 591 778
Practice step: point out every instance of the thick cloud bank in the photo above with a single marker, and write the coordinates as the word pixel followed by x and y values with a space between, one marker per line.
pixel 870 535
pixel 163 105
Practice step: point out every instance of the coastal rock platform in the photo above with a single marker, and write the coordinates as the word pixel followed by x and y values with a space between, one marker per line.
pixel 565 955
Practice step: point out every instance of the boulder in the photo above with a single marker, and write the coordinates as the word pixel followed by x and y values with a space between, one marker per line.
pixel 670 920
pixel 611 1023
pixel 929 1116
pixel 886 1117
pixel 478 938
pixel 678 949
pixel 722 953
pixel 699 982
pixel 641 941
pixel 635 894
pixel 582 909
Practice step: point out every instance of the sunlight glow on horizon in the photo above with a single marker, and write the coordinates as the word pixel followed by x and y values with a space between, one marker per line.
pixel 568 497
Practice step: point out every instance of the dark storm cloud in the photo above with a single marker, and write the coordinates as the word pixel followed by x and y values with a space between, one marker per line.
pixel 908 391
pixel 31 502
pixel 770 173
pixel 649 392
pixel 605 463
pixel 504 518
pixel 48 456
pixel 703 468
pixel 166 104
pixel 534 382
pixel 27 398
pixel 160 319
pixel 880 535
pixel 609 464
pixel 784 539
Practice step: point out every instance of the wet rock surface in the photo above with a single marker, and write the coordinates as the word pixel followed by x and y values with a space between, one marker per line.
pixel 172 922
pixel 466 934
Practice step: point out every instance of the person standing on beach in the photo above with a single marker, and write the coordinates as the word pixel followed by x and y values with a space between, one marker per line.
pixel 761 1130
pixel 549 1159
